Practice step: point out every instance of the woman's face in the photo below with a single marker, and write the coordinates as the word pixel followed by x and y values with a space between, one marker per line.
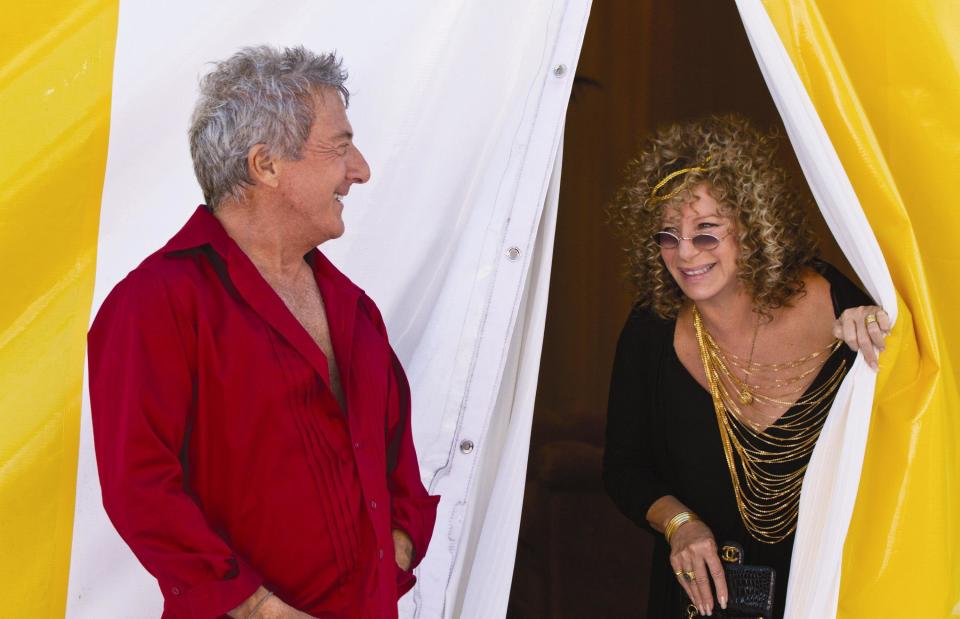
pixel 703 275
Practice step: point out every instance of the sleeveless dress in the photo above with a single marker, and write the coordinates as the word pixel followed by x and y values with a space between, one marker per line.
pixel 662 439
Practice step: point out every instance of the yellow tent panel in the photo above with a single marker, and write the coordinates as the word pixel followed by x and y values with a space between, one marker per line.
pixel 885 80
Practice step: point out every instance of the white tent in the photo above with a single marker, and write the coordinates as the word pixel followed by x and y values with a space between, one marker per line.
pixel 459 108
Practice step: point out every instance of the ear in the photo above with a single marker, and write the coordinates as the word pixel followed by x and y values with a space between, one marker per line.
pixel 262 166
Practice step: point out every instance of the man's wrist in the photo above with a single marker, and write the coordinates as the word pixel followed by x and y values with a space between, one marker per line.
pixel 403 543
pixel 251 605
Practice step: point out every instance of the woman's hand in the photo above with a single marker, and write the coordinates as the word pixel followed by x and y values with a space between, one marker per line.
pixel 864 328
pixel 694 551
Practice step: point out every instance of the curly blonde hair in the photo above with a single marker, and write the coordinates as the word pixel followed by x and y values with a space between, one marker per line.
pixel 775 239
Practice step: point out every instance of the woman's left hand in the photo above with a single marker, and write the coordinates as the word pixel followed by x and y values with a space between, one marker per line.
pixel 864 328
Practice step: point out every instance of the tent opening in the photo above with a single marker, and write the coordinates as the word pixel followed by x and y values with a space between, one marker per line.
pixel 643 64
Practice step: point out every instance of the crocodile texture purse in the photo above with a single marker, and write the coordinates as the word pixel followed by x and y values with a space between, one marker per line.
pixel 750 587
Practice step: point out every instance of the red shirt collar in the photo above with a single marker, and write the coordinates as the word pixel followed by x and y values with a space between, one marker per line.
pixel 204 229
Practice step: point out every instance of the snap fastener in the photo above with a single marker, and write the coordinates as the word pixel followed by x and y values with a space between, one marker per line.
pixel 513 253
pixel 466 445
pixel 560 70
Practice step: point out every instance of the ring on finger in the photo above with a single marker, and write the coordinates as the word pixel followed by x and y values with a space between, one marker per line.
pixel 869 319
pixel 678 573
pixel 690 575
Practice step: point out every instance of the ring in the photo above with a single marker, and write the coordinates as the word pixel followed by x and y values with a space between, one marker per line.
pixel 678 573
pixel 690 576
pixel 869 319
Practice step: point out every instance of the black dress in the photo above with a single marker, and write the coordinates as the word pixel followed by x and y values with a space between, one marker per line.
pixel 662 439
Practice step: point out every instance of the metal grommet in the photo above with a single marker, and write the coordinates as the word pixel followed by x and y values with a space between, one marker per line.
pixel 466 445
pixel 560 70
pixel 513 253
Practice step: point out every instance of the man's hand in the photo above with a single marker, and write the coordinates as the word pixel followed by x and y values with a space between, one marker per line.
pixel 272 608
pixel 403 549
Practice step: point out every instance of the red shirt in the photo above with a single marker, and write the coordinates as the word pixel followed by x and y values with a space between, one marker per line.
pixel 225 460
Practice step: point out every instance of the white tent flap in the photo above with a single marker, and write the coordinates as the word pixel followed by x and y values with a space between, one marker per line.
pixel 831 482
pixel 459 108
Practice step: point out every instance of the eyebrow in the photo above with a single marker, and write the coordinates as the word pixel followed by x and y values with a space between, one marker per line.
pixel 672 221
pixel 673 218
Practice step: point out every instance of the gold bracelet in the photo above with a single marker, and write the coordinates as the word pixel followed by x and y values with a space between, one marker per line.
pixel 676 522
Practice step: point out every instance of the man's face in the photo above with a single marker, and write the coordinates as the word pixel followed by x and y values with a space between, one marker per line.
pixel 313 187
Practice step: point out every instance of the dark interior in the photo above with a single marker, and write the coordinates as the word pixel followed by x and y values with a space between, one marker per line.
pixel 643 64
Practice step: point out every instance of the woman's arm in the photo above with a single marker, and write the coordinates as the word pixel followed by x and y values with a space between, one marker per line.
pixel 631 474
pixel 693 550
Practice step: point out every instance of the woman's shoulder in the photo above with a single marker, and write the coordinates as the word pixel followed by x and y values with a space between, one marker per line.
pixel 646 328
pixel 641 346
pixel 644 318
pixel 829 284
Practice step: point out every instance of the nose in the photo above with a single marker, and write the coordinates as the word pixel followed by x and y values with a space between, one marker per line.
pixel 358 170
pixel 686 249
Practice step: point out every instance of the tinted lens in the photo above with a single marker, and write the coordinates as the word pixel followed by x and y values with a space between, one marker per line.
pixel 666 240
pixel 705 242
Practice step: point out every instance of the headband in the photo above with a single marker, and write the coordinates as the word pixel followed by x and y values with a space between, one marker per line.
pixel 654 198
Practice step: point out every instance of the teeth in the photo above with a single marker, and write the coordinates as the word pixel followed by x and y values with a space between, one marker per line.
pixel 700 271
pixel 338 197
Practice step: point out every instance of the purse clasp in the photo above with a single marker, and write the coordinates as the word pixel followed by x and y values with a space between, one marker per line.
pixel 731 553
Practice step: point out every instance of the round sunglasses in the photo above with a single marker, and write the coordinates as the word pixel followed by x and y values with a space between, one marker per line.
pixel 701 242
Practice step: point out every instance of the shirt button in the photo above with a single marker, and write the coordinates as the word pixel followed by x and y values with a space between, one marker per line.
pixel 175 591
pixel 357 445
pixel 380 553
pixel 373 504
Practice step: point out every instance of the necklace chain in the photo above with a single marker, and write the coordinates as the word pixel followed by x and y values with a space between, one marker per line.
pixel 745 396
pixel 767 497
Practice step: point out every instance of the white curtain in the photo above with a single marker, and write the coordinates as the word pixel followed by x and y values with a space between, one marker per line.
pixel 830 486
pixel 459 108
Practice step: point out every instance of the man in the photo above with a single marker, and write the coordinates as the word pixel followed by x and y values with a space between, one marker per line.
pixel 250 418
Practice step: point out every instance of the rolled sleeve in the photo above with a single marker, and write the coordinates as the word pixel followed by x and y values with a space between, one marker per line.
pixel 213 598
pixel 141 393
pixel 416 517
pixel 412 509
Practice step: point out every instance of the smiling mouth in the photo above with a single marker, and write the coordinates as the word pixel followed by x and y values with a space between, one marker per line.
pixel 338 197
pixel 698 271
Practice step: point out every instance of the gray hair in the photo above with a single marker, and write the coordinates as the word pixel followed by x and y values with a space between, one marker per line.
pixel 260 95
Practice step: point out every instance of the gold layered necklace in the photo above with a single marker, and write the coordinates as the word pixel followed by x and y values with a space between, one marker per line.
pixel 767 463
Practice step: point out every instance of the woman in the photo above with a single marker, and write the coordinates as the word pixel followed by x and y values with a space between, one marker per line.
pixel 728 363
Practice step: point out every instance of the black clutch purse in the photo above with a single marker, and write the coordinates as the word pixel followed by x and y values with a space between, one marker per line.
pixel 749 587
